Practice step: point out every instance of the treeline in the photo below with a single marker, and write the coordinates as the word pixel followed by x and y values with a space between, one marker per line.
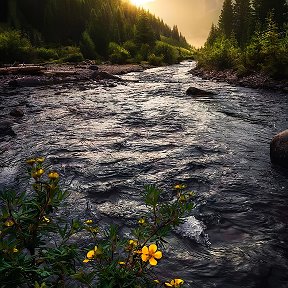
pixel 90 29
pixel 251 36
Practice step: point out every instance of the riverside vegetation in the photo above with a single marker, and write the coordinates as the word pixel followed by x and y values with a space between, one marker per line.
pixel 39 248
pixel 71 31
pixel 251 37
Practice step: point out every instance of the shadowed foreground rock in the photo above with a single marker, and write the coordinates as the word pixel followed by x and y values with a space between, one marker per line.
pixel 279 149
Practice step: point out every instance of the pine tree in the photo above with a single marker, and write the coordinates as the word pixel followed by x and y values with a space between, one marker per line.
pixel 226 18
pixel 213 34
pixel 144 32
pixel 263 8
pixel 243 20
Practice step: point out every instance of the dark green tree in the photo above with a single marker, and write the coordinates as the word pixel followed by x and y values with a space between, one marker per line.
pixel 226 18
pixel 243 21
pixel 263 8
pixel 213 35
pixel 144 33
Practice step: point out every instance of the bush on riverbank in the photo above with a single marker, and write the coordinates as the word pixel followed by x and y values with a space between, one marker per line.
pixel 247 43
pixel 40 248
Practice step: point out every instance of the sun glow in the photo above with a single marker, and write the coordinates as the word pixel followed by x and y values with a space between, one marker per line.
pixel 140 2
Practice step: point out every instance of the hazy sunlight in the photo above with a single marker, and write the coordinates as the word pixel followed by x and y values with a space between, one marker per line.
pixel 140 2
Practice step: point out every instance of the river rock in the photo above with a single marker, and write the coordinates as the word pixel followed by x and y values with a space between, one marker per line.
pixel 17 112
pixel 6 128
pixel 279 149
pixel 93 67
pixel 193 91
pixel 102 75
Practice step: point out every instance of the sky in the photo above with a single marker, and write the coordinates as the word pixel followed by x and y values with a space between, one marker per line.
pixel 193 17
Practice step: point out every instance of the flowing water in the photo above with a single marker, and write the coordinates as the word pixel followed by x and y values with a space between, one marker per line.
pixel 108 142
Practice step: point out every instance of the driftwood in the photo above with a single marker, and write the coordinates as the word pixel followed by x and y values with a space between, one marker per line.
pixel 31 70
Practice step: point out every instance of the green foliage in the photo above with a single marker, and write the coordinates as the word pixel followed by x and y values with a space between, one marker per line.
pixel 226 18
pixel 90 25
pixel 143 53
pixel 118 54
pixel 169 53
pixel 15 47
pixel 46 54
pixel 144 33
pixel 223 54
pixel 131 47
pixel 267 52
pixel 28 221
pixel 70 54
pixel 87 46
pixel 38 246
pixel 155 60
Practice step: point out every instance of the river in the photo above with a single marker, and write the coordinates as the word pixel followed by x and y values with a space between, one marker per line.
pixel 108 142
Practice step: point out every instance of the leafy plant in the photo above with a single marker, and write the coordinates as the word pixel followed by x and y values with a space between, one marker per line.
pixel 30 220
pixel 15 47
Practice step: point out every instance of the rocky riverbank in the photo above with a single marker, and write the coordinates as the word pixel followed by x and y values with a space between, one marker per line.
pixel 40 75
pixel 52 74
pixel 254 80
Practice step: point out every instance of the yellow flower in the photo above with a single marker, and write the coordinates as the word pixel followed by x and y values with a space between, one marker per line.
pixel 133 242
pixel 53 175
pixel 174 283
pixel 45 219
pixel 121 263
pixel 30 161
pixel 93 229
pixel 15 250
pixel 141 221
pixel 151 254
pixel 179 186
pixel 91 254
pixel 38 173
pixel 88 222
pixel 40 160
pixel 156 281
pixel 9 222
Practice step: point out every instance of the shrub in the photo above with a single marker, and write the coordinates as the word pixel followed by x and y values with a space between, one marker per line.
pixel 29 220
pixel 131 47
pixel 169 53
pixel 185 54
pixel 222 54
pixel 143 53
pixel 87 46
pixel 15 47
pixel 155 60
pixel 267 52
pixel 70 54
pixel 44 54
pixel 117 54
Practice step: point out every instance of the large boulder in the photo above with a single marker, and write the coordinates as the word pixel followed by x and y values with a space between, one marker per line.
pixel 279 149
pixel 193 91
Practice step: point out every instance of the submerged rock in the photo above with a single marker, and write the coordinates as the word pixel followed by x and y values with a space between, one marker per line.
pixel 17 112
pixel 279 149
pixel 6 128
pixel 193 91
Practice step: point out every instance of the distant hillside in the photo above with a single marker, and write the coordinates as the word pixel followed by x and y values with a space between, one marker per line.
pixel 98 28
